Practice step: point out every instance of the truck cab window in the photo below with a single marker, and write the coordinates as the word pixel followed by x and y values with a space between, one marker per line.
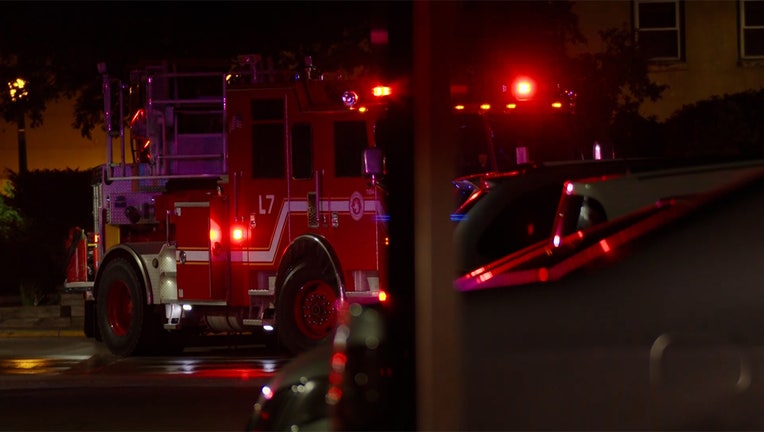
pixel 302 151
pixel 268 150
pixel 267 138
pixel 350 140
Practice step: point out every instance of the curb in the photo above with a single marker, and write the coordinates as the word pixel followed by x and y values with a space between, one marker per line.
pixel 19 333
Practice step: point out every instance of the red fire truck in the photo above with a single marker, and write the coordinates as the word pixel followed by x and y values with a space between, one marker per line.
pixel 251 202
pixel 513 122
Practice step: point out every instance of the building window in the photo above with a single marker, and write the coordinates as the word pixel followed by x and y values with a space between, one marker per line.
pixel 658 26
pixel 752 29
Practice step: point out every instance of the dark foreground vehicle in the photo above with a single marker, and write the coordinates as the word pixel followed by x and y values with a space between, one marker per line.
pixel 653 325
pixel 500 213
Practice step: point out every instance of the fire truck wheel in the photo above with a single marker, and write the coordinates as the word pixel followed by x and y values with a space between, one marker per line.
pixel 306 310
pixel 91 325
pixel 124 320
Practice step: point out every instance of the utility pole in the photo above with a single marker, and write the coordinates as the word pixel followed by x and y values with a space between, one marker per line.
pixel 22 142
pixel 18 92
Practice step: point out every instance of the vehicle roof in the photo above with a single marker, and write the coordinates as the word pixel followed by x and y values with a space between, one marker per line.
pixel 541 262
pixel 543 183
pixel 621 193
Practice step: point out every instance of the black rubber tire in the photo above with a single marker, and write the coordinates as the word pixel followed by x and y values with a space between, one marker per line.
pixel 125 322
pixel 91 325
pixel 312 275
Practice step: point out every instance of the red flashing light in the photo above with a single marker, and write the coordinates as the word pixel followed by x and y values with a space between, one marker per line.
pixel 524 88
pixel 237 233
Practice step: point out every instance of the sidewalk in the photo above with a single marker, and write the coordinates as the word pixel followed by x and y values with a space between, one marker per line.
pixel 61 320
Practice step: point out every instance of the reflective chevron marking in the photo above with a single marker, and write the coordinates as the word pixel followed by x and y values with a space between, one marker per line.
pixel 269 255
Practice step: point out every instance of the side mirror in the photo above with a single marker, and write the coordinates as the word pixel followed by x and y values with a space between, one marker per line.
pixel 373 162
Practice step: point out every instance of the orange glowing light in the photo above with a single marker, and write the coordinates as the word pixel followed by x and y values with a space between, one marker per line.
pixel 382 296
pixel 485 106
pixel 237 234
pixel 459 107
pixel 556 104
pixel 380 91
pixel 511 106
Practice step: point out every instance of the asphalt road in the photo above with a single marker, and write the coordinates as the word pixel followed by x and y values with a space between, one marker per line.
pixel 74 383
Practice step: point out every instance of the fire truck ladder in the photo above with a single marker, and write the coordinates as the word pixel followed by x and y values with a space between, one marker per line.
pixel 186 113
pixel 178 130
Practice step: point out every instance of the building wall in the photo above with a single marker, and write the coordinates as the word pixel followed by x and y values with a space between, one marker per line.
pixel 712 65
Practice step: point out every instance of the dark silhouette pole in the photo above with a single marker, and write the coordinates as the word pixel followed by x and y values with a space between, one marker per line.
pixel 18 93
pixel 22 142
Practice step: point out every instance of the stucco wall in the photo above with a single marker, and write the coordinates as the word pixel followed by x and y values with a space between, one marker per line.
pixel 712 65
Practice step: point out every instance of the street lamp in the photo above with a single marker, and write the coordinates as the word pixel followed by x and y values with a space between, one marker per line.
pixel 18 91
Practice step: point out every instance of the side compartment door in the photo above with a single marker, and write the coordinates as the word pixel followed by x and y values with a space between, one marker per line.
pixel 199 240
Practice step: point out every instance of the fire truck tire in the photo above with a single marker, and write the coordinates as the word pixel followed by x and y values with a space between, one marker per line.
pixel 91 325
pixel 307 305
pixel 126 323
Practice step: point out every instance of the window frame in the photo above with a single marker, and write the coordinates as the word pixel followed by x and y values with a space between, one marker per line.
pixel 743 27
pixel 678 28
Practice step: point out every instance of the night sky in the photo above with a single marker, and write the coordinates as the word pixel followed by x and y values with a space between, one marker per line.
pixel 128 32
pixel 79 35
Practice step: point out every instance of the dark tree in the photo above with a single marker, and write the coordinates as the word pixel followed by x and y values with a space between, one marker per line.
pixel 50 203
pixel 611 86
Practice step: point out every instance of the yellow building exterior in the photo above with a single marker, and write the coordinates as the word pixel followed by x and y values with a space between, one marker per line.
pixel 719 44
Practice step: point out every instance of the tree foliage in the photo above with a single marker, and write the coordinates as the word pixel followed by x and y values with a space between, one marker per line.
pixel 42 206
pixel 612 85
pixel 727 125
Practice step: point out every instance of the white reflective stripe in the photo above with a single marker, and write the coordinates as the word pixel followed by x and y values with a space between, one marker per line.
pixel 192 204
pixel 373 206
pixel 268 255
pixel 335 206
pixel 193 255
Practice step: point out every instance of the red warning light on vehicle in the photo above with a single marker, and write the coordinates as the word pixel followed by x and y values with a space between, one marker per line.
pixel 523 88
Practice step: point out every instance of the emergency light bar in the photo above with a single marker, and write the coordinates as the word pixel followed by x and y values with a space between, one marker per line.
pixel 380 91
